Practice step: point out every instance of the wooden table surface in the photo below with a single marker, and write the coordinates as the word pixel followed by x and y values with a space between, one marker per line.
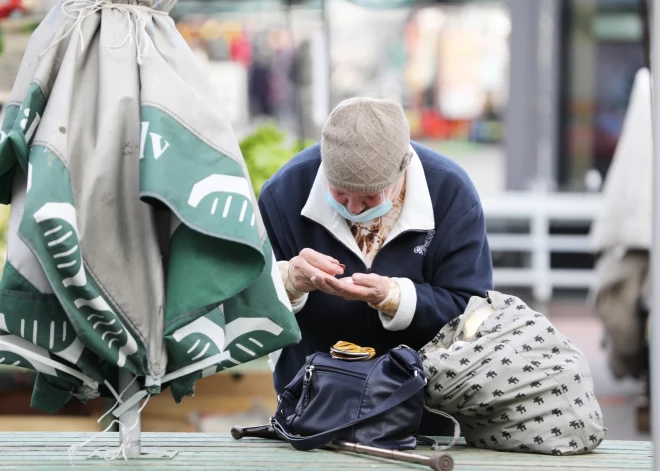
pixel 50 451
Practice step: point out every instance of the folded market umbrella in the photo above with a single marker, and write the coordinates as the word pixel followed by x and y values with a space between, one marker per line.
pixel 135 240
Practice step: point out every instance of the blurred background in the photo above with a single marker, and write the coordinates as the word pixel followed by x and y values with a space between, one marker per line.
pixel 529 96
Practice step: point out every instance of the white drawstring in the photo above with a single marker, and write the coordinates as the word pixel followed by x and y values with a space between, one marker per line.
pixel 37 358
pixel 121 450
pixel 112 390
pixel 118 398
pixel 136 22
pixel 457 429
pixel 73 449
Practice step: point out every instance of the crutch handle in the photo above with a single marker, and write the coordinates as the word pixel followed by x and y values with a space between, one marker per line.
pixel 261 431
pixel 443 462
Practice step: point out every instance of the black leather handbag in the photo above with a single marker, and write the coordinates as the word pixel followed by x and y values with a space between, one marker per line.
pixel 378 402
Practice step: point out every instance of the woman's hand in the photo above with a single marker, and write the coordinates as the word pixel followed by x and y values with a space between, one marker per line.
pixel 372 288
pixel 312 264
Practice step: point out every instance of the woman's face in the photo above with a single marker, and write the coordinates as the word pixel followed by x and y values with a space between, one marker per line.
pixel 357 201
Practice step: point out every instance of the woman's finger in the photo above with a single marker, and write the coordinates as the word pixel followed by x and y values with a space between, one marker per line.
pixel 322 262
pixel 349 290
pixel 323 283
pixel 370 280
pixel 304 272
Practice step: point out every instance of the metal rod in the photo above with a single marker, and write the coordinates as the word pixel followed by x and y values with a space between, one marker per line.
pixel 547 109
pixel 300 125
pixel 439 462
pixel 655 249
pixel 130 428
pixel 442 462
pixel 643 8
pixel 327 33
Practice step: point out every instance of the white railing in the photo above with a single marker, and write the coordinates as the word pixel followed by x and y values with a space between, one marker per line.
pixel 540 210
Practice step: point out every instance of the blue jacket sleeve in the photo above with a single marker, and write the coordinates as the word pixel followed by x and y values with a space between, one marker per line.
pixel 460 267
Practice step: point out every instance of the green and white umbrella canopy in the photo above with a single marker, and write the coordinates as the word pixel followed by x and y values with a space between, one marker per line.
pixel 135 239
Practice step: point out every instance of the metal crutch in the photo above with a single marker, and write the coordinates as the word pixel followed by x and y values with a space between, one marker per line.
pixel 440 462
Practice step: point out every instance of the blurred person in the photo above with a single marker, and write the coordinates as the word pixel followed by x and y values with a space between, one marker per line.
pixel 621 237
pixel 283 78
pixel 400 225
pixel 260 79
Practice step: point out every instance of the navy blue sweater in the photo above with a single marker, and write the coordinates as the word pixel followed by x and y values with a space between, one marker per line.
pixel 455 265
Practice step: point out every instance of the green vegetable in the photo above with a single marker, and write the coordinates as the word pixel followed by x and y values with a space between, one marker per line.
pixel 265 151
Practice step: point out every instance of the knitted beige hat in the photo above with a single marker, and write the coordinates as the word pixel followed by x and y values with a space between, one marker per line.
pixel 365 144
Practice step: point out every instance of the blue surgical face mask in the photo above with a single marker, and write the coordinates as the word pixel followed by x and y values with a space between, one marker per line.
pixel 365 216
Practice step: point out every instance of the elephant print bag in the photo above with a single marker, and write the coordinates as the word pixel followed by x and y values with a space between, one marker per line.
pixel 512 381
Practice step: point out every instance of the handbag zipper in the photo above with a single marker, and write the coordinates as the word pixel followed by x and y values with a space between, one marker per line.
pixel 309 370
pixel 304 399
pixel 307 380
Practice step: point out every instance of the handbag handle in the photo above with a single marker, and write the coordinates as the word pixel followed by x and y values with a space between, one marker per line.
pixel 311 442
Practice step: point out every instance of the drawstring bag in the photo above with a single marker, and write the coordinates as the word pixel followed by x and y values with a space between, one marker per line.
pixel 512 381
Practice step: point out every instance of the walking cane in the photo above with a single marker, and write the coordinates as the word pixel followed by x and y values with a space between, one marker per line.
pixel 441 462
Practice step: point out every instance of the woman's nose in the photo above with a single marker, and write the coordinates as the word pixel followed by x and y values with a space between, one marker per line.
pixel 355 206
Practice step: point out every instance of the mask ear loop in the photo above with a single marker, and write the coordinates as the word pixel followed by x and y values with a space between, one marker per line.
pixel 382 200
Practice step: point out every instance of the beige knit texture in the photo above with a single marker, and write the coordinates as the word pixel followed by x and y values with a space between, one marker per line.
pixel 365 144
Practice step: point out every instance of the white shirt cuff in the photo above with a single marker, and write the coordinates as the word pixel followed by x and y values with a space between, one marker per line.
pixel 298 303
pixel 407 306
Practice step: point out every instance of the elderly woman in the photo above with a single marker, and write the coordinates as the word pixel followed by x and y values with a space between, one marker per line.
pixel 380 241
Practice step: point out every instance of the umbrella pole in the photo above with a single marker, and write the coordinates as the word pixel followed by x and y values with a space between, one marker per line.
pixel 130 430
pixel 655 249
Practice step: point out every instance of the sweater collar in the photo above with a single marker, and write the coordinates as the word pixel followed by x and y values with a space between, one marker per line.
pixel 416 215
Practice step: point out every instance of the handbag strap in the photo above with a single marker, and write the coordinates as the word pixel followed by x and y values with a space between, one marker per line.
pixel 405 391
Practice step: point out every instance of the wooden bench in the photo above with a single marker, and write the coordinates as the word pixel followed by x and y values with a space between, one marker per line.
pixel 49 451
pixel 237 390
